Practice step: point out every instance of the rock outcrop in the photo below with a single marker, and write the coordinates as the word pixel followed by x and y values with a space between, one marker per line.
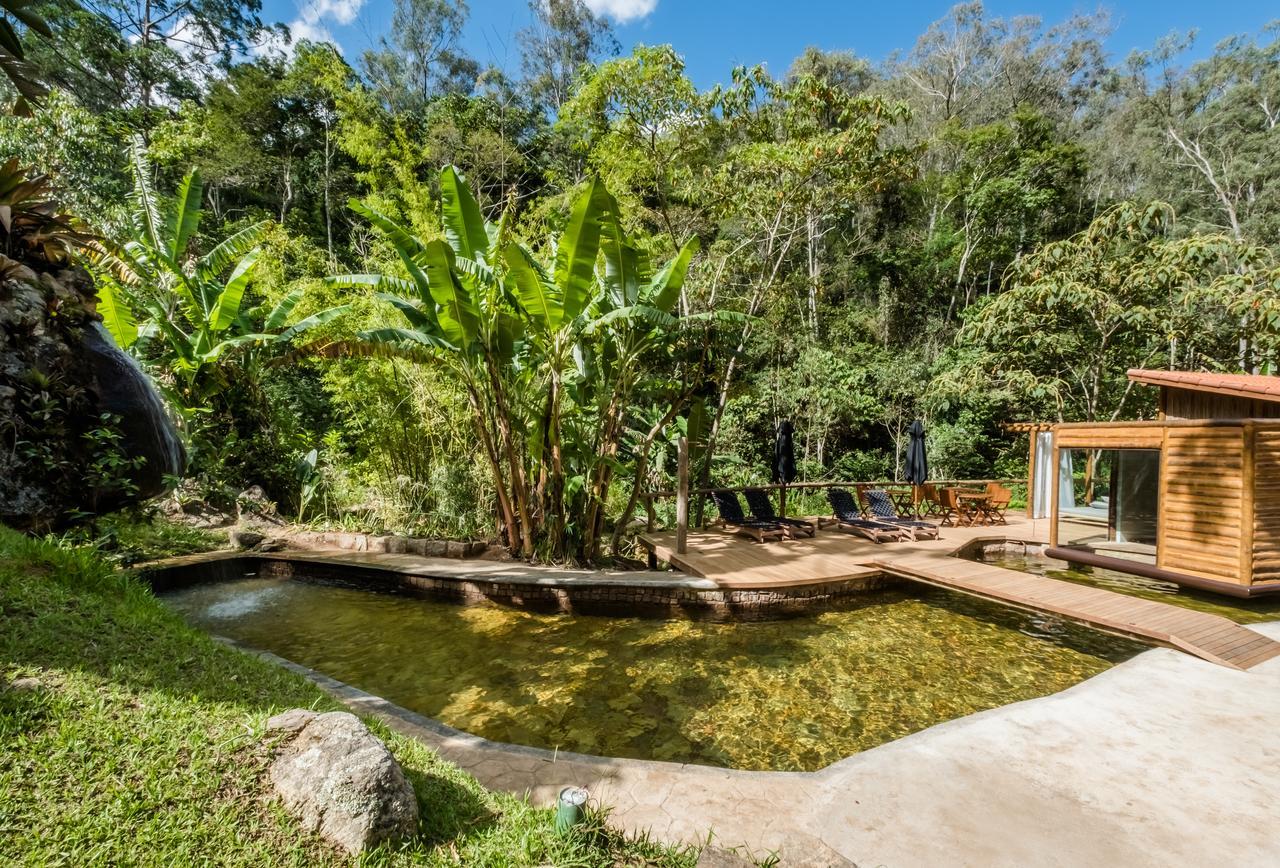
pixel 82 429
pixel 339 780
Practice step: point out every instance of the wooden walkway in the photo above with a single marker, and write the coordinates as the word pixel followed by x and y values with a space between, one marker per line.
pixel 733 562
pixel 1210 637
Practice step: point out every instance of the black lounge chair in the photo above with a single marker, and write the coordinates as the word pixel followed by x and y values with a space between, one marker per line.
pixel 881 508
pixel 850 520
pixel 732 518
pixel 762 510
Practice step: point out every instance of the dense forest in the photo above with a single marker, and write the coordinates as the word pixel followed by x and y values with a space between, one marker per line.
pixel 408 291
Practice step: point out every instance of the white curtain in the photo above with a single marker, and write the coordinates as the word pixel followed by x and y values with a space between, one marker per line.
pixel 1042 478
pixel 1066 482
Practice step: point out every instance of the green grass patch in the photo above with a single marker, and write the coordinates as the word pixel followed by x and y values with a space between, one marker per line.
pixel 133 536
pixel 127 737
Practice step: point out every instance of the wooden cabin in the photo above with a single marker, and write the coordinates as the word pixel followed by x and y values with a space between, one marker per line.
pixel 1192 497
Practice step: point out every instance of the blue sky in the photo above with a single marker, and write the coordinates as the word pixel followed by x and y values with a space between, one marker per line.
pixel 715 35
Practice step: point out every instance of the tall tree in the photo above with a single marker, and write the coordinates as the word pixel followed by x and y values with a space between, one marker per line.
pixel 422 58
pixel 564 37
pixel 144 56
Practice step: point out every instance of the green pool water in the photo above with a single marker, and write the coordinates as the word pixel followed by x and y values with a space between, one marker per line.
pixel 797 694
pixel 1241 611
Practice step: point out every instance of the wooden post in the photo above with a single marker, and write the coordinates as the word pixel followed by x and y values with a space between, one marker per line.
pixel 782 501
pixel 682 495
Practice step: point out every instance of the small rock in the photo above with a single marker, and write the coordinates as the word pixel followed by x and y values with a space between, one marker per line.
pixel 455 549
pixel 339 780
pixel 25 684
pixel 272 544
pixel 245 539
pixel 397 545
pixel 417 546
pixel 436 548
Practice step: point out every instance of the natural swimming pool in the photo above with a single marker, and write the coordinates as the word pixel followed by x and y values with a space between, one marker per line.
pixel 796 694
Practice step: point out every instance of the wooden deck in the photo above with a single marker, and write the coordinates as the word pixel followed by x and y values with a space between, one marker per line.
pixel 735 563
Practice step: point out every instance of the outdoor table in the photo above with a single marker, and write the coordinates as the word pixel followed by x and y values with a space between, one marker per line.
pixel 904 500
pixel 980 500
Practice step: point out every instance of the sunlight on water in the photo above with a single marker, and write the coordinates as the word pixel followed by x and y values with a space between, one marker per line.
pixel 796 694
pixel 1241 611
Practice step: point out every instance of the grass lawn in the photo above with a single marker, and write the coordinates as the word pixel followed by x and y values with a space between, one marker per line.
pixel 131 738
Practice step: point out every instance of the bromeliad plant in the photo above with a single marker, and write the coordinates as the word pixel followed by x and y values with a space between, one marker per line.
pixel 552 358
pixel 193 303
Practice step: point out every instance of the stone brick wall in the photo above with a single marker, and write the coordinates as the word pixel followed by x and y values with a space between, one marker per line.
pixel 391 544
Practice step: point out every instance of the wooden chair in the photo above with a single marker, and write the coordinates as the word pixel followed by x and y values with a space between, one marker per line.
pixel 930 504
pixel 733 519
pixel 997 503
pixel 955 511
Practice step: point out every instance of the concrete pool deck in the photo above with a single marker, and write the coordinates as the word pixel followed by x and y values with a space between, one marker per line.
pixel 1163 760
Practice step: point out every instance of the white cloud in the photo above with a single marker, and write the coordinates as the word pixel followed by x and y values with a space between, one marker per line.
pixel 312 24
pixel 339 11
pixel 622 11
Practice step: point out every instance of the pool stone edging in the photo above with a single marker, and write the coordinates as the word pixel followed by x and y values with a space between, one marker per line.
pixel 671 596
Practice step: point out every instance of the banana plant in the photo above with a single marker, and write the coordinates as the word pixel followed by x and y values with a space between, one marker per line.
pixel 548 355
pixel 457 310
pixel 195 304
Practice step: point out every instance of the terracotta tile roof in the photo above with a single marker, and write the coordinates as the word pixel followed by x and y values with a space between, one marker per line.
pixel 1256 386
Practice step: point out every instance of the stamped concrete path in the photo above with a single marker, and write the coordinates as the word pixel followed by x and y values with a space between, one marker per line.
pixel 1164 760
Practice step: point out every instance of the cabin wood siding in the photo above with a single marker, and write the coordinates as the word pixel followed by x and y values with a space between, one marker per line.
pixel 1192 404
pixel 1203 502
pixel 1266 503
pixel 1138 435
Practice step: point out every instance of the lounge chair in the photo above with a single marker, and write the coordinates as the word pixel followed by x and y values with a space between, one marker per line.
pixel 880 507
pixel 762 510
pixel 850 520
pixel 732 518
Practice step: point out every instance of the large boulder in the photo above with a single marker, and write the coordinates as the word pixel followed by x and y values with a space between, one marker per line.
pixel 339 780
pixel 82 429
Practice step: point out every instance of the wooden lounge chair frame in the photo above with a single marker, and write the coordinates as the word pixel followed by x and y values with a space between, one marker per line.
pixel 762 510
pixel 880 507
pixel 850 521
pixel 733 519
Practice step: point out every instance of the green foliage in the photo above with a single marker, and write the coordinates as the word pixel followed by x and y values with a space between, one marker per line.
pixel 852 246
pixel 499 322
pixel 195 303
pixel 140 727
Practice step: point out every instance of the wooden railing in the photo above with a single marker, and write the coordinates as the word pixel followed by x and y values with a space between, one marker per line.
pixel 682 491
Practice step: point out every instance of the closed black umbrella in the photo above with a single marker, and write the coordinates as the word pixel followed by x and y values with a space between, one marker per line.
pixel 784 460
pixel 784 454
pixel 917 469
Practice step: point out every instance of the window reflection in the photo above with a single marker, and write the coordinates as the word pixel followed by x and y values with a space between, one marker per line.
pixel 1108 500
